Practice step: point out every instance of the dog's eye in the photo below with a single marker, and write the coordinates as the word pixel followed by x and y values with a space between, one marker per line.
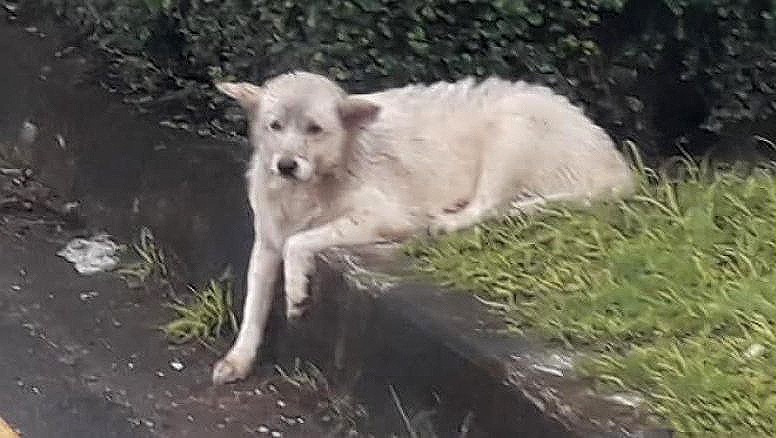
pixel 314 128
pixel 275 126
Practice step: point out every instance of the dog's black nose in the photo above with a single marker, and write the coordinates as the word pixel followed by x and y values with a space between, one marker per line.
pixel 287 166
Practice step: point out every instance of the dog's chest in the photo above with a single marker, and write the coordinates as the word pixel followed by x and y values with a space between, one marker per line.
pixel 294 209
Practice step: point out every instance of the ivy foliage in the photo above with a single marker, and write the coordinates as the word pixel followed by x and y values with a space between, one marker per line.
pixel 654 71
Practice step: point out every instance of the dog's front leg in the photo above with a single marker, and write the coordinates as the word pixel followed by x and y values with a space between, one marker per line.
pixel 300 249
pixel 263 269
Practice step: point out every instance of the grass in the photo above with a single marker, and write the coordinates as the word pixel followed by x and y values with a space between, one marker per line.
pixel 206 317
pixel 348 416
pixel 344 412
pixel 151 263
pixel 672 292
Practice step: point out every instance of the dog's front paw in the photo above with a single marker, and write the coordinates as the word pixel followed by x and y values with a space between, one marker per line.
pixel 231 369
pixel 297 295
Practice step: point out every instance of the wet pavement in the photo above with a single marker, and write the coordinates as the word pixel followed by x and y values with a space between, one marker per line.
pixel 83 356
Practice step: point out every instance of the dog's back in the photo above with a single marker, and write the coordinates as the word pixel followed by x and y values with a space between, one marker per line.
pixel 444 137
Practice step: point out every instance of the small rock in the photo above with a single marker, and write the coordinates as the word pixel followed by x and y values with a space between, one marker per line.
pixel 69 207
pixel 159 374
pixel 60 141
pixel 67 50
pixel 276 434
pixel 281 404
pixel 263 429
pixel 176 365
pixel 11 172
pixel 67 360
pixel 88 295
pixel 91 378
pixel 288 421
pixel 28 132
pixel 634 104
pixel 16 287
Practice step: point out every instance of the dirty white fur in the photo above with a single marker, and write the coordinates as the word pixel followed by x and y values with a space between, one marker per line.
pixel 384 166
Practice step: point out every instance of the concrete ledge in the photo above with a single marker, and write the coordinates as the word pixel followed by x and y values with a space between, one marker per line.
pixel 445 352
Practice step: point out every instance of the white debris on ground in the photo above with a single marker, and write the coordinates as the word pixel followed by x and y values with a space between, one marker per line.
pixel 176 365
pixel 93 255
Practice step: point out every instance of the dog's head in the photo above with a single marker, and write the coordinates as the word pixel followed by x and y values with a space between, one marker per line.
pixel 301 123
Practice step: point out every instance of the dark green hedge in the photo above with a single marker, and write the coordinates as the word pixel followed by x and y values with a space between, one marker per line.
pixel 656 71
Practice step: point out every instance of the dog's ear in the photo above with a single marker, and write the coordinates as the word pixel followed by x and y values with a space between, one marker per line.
pixel 356 113
pixel 247 95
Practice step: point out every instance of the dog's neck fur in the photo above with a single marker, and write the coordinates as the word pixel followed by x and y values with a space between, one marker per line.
pixel 323 198
pixel 301 204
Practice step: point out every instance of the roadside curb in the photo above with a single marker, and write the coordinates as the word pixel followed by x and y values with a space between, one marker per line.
pixel 446 352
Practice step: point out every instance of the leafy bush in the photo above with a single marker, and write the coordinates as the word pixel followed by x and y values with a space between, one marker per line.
pixel 655 71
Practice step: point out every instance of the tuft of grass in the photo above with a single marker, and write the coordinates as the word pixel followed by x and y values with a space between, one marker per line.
pixel 672 292
pixel 345 413
pixel 152 261
pixel 304 376
pixel 206 317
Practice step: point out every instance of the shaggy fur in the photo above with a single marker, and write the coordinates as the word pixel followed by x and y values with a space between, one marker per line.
pixel 331 169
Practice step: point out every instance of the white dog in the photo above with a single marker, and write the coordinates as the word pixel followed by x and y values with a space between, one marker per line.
pixel 332 169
